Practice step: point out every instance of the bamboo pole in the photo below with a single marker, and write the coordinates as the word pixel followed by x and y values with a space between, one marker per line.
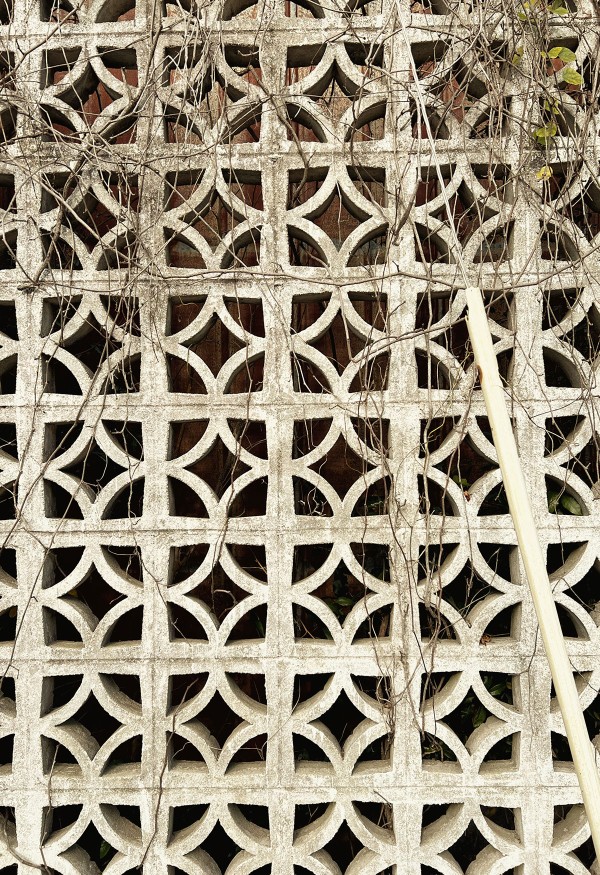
pixel 582 750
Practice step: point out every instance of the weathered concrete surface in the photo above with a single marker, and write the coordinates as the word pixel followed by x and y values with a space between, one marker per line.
pixel 257 505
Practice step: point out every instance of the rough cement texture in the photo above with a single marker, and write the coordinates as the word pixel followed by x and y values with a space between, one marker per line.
pixel 258 522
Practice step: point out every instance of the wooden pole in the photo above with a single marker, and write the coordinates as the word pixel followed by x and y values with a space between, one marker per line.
pixel 582 750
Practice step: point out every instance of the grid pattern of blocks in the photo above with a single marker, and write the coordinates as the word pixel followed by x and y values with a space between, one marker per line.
pixel 261 607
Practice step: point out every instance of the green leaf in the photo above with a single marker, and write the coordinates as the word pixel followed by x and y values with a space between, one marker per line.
pixel 345 601
pixel 552 106
pixel 558 9
pixel 571 505
pixel 105 849
pixel 460 481
pixel 553 499
pixel 571 76
pixel 567 55
pixel 546 132
pixel 544 173
pixel 497 690
pixel 563 53
pixel 479 717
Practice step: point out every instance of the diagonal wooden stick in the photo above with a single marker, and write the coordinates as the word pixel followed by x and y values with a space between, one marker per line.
pixel 582 750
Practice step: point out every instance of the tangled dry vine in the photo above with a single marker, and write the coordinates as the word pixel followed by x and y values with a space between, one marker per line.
pixel 261 605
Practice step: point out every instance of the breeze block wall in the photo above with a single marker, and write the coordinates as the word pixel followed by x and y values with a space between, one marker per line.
pixel 261 605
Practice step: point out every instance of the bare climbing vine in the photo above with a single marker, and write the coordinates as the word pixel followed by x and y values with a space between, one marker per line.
pixel 262 608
